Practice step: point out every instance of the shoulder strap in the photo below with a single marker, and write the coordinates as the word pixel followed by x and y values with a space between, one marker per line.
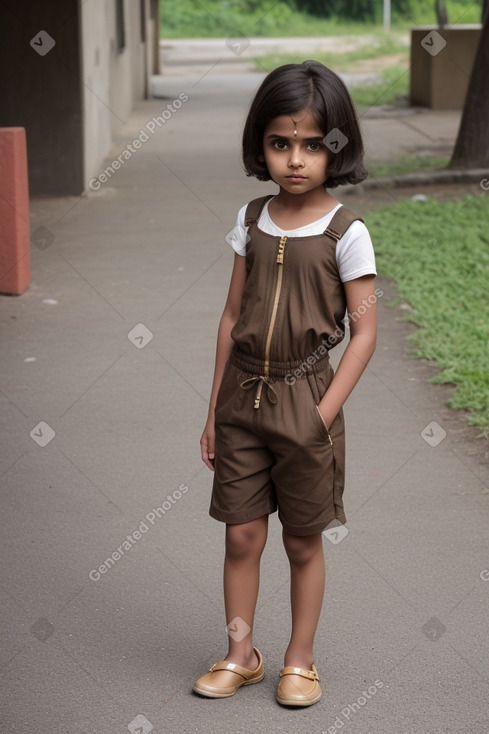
pixel 340 223
pixel 254 209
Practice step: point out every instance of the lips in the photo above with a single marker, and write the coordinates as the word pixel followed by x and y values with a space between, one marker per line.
pixel 297 177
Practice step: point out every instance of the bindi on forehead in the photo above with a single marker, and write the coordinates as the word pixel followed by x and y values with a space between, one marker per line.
pixel 295 124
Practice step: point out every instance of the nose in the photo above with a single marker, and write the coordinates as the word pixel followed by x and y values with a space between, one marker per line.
pixel 296 159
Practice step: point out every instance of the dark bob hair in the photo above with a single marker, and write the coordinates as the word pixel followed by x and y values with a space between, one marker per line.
pixel 294 87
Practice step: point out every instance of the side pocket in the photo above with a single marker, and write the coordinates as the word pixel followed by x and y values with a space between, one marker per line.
pixel 325 426
pixel 315 392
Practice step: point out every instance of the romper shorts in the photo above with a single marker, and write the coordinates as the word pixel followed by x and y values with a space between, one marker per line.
pixel 280 456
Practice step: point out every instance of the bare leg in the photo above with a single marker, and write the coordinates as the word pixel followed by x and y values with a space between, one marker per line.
pixel 306 595
pixel 244 547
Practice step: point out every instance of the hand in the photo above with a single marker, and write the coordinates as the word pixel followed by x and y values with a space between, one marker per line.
pixel 207 443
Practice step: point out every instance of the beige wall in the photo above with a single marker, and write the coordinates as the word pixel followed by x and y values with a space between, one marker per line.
pixel 112 81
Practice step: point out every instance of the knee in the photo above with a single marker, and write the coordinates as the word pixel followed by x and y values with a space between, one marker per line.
pixel 243 541
pixel 300 549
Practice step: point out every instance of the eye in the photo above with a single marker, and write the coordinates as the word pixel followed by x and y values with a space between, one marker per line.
pixel 314 147
pixel 279 144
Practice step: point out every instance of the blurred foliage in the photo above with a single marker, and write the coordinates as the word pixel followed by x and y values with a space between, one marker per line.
pixel 358 10
pixel 370 11
pixel 223 18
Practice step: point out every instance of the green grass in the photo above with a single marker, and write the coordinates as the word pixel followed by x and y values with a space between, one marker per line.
pixel 438 253
pixel 223 18
pixel 407 164
pixel 394 84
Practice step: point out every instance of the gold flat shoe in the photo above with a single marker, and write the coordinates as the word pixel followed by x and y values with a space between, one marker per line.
pixel 224 678
pixel 298 687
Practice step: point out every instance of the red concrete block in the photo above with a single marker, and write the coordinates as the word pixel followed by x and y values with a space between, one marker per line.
pixel 14 212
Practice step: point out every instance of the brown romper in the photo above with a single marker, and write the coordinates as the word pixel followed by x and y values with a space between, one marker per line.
pixel 272 446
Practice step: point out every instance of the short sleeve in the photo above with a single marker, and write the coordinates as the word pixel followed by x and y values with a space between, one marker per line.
pixel 238 238
pixel 355 253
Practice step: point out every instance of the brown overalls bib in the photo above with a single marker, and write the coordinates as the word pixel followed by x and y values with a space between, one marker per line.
pixel 272 446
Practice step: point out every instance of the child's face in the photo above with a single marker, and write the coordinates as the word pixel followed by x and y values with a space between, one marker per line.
pixel 296 162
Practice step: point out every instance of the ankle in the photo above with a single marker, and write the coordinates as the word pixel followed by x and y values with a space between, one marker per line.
pixel 246 658
pixel 298 659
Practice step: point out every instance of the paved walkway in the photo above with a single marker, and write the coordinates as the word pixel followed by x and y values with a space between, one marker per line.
pixel 179 57
pixel 111 567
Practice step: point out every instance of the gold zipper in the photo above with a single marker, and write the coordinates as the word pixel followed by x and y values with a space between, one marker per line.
pixel 273 317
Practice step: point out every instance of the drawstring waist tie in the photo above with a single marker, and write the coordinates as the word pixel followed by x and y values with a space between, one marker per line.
pixel 260 380
pixel 289 372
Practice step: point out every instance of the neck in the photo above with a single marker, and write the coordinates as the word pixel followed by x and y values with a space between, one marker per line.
pixel 315 199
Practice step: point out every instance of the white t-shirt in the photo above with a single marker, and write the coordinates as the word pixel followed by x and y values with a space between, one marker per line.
pixel 354 252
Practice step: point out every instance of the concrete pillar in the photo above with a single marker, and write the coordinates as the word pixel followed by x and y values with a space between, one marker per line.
pixel 14 212
pixel 441 64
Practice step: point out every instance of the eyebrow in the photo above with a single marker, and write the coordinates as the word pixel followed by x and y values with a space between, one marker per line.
pixel 315 139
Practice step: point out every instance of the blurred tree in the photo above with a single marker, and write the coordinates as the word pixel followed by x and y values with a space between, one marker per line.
pixel 441 13
pixel 362 10
pixel 359 10
pixel 472 144
pixel 320 8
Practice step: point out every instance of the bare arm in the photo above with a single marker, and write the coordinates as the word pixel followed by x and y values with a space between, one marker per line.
pixel 362 310
pixel 224 345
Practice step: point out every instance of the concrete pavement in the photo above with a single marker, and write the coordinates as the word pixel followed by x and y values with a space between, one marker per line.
pixel 178 56
pixel 111 567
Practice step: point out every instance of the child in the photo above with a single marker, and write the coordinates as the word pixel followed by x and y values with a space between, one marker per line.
pixel 275 432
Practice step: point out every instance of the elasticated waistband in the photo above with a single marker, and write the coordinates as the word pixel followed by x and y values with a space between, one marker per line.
pixel 299 368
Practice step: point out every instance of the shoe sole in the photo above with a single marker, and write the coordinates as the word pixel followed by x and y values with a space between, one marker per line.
pixel 212 694
pixel 292 702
